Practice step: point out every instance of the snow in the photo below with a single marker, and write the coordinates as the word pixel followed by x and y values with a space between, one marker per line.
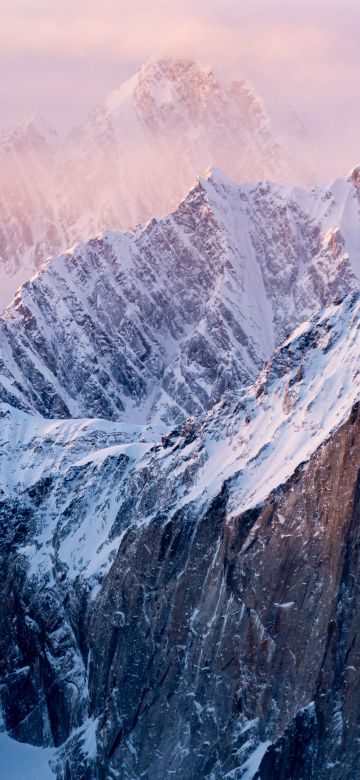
pixel 270 254
pixel 133 451
pixel 287 423
pixel 61 445
pixel 254 440
pixel 33 448
pixel 255 443
pixel 135 156
pixel 86 735
pixel 251 766
pixel 162 92
pixel 19 761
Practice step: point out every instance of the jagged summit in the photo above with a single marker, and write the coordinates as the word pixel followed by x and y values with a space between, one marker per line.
pixel 215 175
pixel 135 157
pixel 165 319
pixel 174 88
pixel 354 176
pixel 173 68
pixel 34 129
pixel 162 82
pixel 180 70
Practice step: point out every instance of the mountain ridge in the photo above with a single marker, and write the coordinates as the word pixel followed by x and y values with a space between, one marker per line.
pixel 129 160
pixel 159 322
pixel 163 543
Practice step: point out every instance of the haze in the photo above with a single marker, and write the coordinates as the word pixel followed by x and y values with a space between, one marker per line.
pixel 61 58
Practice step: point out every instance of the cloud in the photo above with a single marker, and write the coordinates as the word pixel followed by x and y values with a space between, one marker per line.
pixel 65 56
pixel 137 30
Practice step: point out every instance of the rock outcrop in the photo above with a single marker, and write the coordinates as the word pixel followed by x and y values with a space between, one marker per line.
pixel 134 157
pixel 159 323
pixel 185 600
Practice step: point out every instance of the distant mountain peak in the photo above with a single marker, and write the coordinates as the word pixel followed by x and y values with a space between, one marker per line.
pixel 135 157
pixel 181 71
pixel 354 176
pixel 31 129
pixel 172 67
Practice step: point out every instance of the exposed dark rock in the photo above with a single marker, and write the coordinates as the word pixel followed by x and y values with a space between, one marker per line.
pixel 207 635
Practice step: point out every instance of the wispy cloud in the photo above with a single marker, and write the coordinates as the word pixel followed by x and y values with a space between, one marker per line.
pixel 62 57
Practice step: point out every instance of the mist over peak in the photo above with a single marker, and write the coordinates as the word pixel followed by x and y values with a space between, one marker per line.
pixel 135 156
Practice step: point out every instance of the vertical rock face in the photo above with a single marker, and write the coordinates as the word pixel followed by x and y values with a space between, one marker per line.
pixel 187 602
pixel 293 755
pixel 208 634
pixel 233 628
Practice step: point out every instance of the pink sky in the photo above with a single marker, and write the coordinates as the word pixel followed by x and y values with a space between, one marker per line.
pixel 61 57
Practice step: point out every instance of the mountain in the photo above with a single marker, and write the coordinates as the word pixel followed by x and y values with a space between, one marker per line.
pixel 158 323
pixel 28 229
pixel 160 129
pixel 184 600
pixel 135 156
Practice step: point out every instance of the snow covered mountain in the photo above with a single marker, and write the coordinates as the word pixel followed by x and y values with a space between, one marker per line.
pixel 159 323
pixel 160 129
pixel 134 157
pixel 28 222
pixel 179 476
pixel 191 589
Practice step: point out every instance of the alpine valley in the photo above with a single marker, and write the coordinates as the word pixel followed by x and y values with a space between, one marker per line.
pixel 180 465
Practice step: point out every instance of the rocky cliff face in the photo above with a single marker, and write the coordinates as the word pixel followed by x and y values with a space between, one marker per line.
pixel 159 323
pixel 184 600
pixel 135 156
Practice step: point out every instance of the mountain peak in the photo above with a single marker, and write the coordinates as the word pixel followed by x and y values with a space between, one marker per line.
pixel 32 129
pixel 163 81
pixel 354 176
pixel 135 157
pixel 172 67
pixel 217 177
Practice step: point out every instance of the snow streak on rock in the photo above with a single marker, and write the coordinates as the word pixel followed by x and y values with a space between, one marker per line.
pixel 134 157
pixel 157 583
pixel 254 443
pixel 159 323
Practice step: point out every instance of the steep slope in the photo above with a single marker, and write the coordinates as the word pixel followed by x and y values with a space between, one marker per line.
pixel 185 601
pixel 154 134
pixel 133 158
pixel 159 323
pixel 29 229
